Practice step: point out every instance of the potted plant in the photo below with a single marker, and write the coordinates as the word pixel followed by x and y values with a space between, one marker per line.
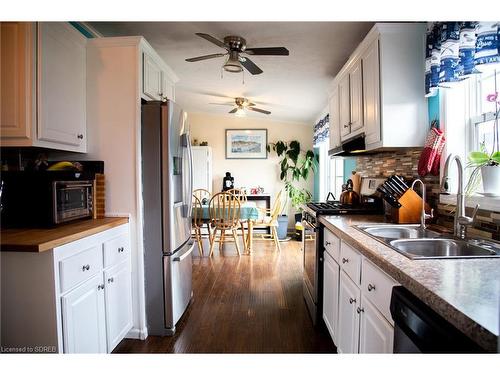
pixel 295 165
pixel 486 164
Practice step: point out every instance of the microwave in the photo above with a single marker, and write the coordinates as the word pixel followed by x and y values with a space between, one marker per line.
pixel 45 199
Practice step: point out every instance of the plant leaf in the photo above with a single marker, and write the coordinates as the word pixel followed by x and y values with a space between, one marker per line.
pixel 496 156
pixel 478 158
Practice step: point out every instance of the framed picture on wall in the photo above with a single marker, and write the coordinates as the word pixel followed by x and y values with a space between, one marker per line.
pixel 246 143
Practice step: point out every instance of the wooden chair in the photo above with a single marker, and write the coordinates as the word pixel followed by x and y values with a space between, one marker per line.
pixel 204 196
pixel 242 198
pixel 270 219
pixel 198 222
pixel 224 212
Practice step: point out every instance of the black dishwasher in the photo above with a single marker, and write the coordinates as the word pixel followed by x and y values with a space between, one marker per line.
pixel 419 329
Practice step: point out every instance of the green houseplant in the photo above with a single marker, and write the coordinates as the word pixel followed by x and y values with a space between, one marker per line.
pixel 485 164
pixel 295 165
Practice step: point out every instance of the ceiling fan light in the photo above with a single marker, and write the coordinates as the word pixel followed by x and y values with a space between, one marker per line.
pixel 240 112
pixel 233 64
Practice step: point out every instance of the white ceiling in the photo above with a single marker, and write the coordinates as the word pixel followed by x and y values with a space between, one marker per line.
pixel 293 88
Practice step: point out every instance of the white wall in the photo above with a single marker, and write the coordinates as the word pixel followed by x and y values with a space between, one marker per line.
pixel 252 172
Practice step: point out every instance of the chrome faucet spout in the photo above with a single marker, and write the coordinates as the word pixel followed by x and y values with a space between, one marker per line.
pixel 423 215
pixel 461 222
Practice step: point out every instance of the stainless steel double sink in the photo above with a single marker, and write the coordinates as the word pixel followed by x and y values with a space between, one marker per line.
pixel 417 243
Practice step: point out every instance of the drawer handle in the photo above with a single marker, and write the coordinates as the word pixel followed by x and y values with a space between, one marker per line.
pixel 352 300
pixel 110 280
pixel 371 287
pixel 100 287
pixel 345 260
pixel 86 267
pixel 360 310
pixel 327 243
pixel 120 249
pixel 80 136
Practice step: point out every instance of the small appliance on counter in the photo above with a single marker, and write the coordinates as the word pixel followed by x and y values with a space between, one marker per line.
pixel 46 198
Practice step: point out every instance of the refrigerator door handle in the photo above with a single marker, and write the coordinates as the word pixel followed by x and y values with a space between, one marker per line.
pixel 185 255
pixel 190 191
pixel 187 188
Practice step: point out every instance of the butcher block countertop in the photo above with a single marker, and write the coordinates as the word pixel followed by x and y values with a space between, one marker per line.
pixel 42 239
pixel 466 292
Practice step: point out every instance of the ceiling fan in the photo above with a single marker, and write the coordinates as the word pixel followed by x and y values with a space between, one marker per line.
pixel 235 47
pixel 243 104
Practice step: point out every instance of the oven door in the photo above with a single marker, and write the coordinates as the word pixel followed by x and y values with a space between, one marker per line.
pixel 72 200
pixel 309 247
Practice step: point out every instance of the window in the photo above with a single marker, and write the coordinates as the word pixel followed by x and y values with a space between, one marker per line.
pixel 331 173
pixel 468 119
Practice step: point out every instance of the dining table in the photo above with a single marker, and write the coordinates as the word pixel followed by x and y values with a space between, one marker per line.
pixel 248 213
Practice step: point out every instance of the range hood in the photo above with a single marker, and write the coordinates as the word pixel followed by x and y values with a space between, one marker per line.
pixel 351 147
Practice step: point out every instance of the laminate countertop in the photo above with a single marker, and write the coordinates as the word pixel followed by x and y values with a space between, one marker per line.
pixel 466 292
pixel 43 239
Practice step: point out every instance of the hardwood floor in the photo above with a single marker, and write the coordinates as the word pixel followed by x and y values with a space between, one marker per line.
pixel 247 304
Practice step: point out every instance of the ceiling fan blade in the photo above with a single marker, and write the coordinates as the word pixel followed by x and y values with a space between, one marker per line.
pixel 205 57
pixel 210 38
pixel 282 51
pixel 233 110
pixel 230 104
pixel 259 110
pixel 250 66
pixel 249 104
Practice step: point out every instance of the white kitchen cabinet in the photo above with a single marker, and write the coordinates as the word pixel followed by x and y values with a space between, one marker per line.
pixel 356 98
pixel 152 78
pixel 83 317
pixel 331 295
pixel 61 85
pixel 43 80
pixel 344 107
pixel 334 106
pixel 376 334
pixel 202 167
pixel 118 303
pixel 371 93
pixel 386 88
pixel 348 326
pixel 81 306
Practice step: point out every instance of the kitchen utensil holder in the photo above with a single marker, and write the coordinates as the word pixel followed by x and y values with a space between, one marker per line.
pixel 410 210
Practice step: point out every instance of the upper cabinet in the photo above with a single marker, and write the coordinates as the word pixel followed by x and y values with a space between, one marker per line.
pixel 334 104
pixel 158 80
pixel 381 91
pixel 43 86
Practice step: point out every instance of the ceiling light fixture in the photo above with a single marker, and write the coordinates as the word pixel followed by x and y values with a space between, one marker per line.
pixel 233 64
pixel 240 112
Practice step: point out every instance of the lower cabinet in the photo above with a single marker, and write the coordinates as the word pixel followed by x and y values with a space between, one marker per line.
pixel 331 295
pixel 349 301
pixel 83 317
pixel 375 333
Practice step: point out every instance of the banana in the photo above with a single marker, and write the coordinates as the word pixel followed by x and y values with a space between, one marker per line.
pixel 61 165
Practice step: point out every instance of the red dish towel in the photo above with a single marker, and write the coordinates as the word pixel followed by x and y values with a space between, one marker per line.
pixel 437 158
pixel 433 144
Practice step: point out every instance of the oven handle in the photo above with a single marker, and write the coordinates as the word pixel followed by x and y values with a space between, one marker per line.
pixel 306 223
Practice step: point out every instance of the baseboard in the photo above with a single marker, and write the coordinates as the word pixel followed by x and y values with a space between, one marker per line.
pixel 137 334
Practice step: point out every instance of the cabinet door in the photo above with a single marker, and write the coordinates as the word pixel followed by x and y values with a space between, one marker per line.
pixel 61 85
pixel 356 97
pixel 331 295
pixel 371 94
pixel 344 107
pixel 83 317
pixel 118 303
pixel 151 78
pixel 167 87
pixel 376 334
pixel 348 326
pixel 16 63
pixel 334 120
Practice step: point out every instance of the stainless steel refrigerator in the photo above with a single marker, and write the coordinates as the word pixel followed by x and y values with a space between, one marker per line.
pixel 167 204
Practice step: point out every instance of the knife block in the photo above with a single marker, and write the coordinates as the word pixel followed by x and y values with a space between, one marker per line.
pixel 410 210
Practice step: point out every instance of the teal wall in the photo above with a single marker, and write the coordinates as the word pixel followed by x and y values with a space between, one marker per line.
pixel 433 108
pixel 316 178
pixel 349 166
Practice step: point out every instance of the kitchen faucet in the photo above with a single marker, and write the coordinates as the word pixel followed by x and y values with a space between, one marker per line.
pixel 461 222
pixel 423 215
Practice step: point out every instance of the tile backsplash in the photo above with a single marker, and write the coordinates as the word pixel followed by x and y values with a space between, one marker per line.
pixel 405 163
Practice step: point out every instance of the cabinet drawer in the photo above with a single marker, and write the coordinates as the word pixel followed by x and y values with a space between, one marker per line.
pixel 116 250
pixel 332 245
pixel 79 267
pixel 376 285
pixel 350 262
